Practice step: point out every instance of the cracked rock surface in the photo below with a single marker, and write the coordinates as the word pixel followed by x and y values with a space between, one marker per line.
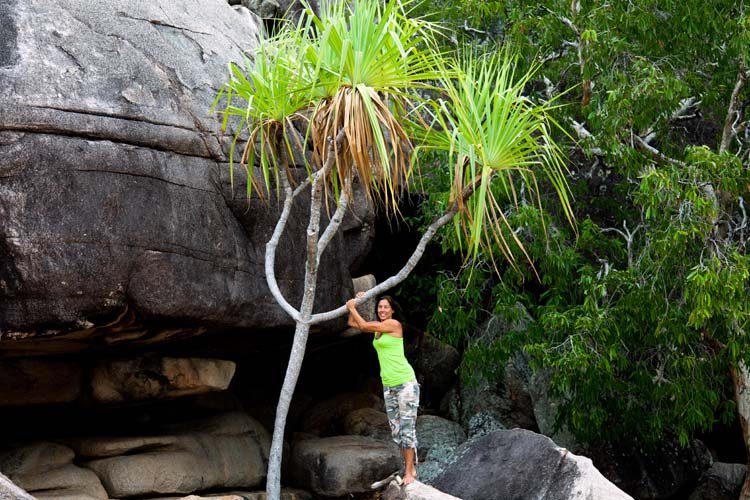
pixel 115 201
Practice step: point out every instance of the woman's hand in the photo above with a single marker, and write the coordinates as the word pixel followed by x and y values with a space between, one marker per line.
pixel 351 304
pixel 360 294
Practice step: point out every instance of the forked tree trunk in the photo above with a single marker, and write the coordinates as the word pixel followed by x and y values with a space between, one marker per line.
pixel 304 317
pixel 302 320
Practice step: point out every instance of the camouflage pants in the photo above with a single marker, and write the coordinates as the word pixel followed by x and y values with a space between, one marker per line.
pixel 401 403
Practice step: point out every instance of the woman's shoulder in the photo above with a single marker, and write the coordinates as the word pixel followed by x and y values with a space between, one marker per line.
pixel 392 323
pixel 394 328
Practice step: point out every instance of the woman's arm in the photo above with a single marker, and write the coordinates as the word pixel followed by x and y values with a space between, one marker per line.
pixel 351 321
pixel 387 326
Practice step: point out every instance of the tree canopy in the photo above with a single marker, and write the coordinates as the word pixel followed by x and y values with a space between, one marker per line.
pixel 641 317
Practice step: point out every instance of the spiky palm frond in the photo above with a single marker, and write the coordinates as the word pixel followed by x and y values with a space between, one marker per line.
pixel 498 139
pixel 274 92
pixel 370 60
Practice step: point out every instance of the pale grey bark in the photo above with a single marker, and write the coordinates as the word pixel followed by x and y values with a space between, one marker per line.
pixel 741 382
pixel 301 317
pixel 270 261
pixel 302 329
pixel 734 112
pixel 315 247
pixel 404 272
pixel 629 237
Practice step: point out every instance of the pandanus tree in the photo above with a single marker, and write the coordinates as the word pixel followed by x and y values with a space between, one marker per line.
pixel 357 75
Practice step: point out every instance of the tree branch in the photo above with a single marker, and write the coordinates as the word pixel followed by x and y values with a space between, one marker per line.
pixel 733 113
pixel 335 222
pixel 584 134
pixel 655 153
pixel 684 111
pixel 397 278
pixel 629 237
pixel 273 243
pixel 313 229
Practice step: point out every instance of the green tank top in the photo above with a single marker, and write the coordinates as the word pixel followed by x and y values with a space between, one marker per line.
pixel 394 368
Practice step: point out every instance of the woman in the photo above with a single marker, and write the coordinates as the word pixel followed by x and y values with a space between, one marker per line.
pixel 400 388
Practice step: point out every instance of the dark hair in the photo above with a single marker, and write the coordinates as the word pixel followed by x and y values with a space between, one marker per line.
pixel 394 305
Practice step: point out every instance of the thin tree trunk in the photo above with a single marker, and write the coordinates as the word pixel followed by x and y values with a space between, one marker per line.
pixel 273 480
pixel 315 247
pixel 734 111
pixel 740 375
pixel 741 382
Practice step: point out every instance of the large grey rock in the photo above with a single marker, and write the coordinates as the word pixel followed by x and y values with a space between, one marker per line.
pixel 436 363
pixel 339 465
pixel 138 379
pixel 722 481
pixel 661 472
pixel 436 432
pixel 327 417
pixel 367 308
pixel 46 470
pixel 501 398
pixel 439 439
pixel 368 422
pixel 9 491
pixel 414 491
pixel 230 451
pixel 115 201
pixel 519 464
pixel 545 410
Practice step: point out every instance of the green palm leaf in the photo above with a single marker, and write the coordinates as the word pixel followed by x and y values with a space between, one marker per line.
pixel 274 89
pixel 370 60
pixel 498 139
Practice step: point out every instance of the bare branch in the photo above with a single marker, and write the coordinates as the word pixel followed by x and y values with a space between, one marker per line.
pixel 584 134
pixel 628 235
pixel 685 111
pixel 301 187
pixel 273 243
pixel 397 278
pixel 335 222
pixel 649 136
pixel 469 29
pixel 733 113
pixel 655 153
pixel 743 222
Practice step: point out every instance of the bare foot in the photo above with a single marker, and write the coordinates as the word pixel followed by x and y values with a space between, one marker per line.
pixel 408 479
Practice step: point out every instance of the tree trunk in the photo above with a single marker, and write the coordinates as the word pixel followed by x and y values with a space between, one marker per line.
pixel 741 382
pixel 273 481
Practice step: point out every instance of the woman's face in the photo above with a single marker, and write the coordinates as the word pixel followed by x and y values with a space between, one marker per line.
pixel 385 311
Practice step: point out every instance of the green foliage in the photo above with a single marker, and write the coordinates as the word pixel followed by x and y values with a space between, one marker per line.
pixel 497 139
pixel 357 74
pixel 639 319
pixel 354 70
pixel 460 303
